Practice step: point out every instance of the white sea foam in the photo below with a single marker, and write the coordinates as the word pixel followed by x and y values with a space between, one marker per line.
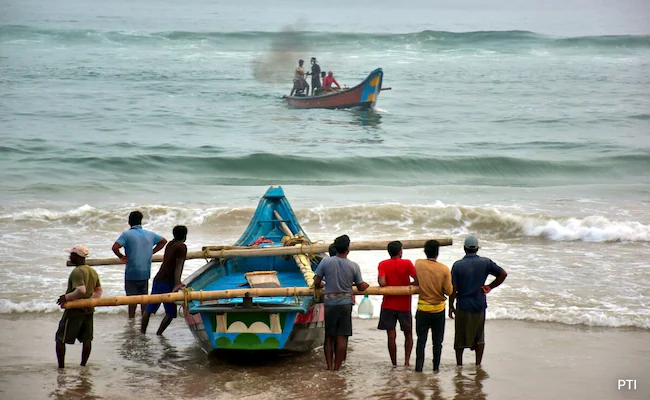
pixel 573 315
pixel 39 306
pixel 375 219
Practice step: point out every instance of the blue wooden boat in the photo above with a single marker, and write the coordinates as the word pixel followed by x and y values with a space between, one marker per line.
pixel 258 323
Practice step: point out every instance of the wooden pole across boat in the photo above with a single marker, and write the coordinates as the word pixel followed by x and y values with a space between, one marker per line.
pixel 228 294
pixel 210 252
pixel 301 260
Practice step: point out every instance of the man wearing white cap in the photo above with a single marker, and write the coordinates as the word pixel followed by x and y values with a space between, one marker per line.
pixel 77 323
pixel 468 277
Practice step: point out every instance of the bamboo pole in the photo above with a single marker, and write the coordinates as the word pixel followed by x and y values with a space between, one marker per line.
pixel 281 251
pixel 229 294
pixel 301 260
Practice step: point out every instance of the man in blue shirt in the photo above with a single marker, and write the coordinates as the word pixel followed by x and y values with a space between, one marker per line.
pixel 139 245
pixel 468 277
pixel 341 275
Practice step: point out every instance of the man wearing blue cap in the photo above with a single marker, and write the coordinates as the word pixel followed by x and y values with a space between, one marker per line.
pixel 468 277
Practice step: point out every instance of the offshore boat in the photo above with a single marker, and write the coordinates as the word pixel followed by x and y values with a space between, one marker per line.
pixel 362 96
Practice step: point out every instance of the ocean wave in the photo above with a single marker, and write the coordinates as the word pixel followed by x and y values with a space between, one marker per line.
pixel 296 39
pixel 268 168
pixel 39 306
pixel 367 220
pixel 572 316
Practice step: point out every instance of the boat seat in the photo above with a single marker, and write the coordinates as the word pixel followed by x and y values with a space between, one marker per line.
pixel 263 279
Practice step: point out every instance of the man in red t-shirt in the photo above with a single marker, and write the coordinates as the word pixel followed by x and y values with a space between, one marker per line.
pixel 397 272
pixel 328 81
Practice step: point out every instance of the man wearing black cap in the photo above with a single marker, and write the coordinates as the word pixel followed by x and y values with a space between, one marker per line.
pixel 341 275
pixel 315 76
pixel 468 277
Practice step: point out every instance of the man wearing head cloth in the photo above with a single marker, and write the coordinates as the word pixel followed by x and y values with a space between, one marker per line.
pixel 468 277
pixel 77 323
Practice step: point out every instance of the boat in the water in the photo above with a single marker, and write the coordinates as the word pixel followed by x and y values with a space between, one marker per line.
pixel 363 96
pixel 294 323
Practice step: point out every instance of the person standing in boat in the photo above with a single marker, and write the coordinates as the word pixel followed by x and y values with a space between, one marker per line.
pixel 434 280
pixel 328 81
pixel 168 279
pixel 299 81
pixel 341 274
pixel 315 77
pixel 77 323
pixel 139 245
pixel 396 272
pixel 468 277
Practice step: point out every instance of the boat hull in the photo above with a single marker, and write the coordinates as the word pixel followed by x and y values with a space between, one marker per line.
pixel 362 96
pixel 294 331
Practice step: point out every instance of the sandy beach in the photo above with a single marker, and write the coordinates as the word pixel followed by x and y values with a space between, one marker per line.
pixel 523 360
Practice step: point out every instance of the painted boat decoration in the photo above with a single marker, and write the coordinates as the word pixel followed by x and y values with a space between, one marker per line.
pixel 259 323
pixel 363 96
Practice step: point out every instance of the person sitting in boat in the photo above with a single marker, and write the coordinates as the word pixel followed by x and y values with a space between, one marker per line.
pixel 299 82
pixel 328 81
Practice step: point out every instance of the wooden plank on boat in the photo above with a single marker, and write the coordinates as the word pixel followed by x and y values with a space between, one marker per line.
pixel 280 251
pixel 229 294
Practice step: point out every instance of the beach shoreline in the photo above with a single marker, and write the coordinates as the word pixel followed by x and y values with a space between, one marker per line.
pixel 533 360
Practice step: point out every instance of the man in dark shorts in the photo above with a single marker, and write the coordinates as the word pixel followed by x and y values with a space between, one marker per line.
pixel 396 272
pixel 468 277
pixel 168 279
pixel 341 275
pixel 77 323
pixel 139 245
pixel 315 77
pixel 434 280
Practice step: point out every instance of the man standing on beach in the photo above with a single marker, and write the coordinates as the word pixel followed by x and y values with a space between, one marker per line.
pixel 77 323
pixel 468 277
pixel 341 275
pixel 396 272
pixel 139 245
pixel 168 279
pixel 434 280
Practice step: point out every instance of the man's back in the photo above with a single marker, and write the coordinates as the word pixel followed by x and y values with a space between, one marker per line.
pixel 138 244
pixel 434 280
pixel 83 275
pixel 468 276
pixel 397 272
pixel 340 274
pixel 175 249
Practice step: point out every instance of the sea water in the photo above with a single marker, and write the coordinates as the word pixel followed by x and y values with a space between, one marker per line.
pixel 519 124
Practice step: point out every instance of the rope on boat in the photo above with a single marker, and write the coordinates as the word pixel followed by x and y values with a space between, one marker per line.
pixel 186 297
pixel 303 262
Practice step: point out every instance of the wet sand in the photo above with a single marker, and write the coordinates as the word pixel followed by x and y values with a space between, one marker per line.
pixel 522 360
